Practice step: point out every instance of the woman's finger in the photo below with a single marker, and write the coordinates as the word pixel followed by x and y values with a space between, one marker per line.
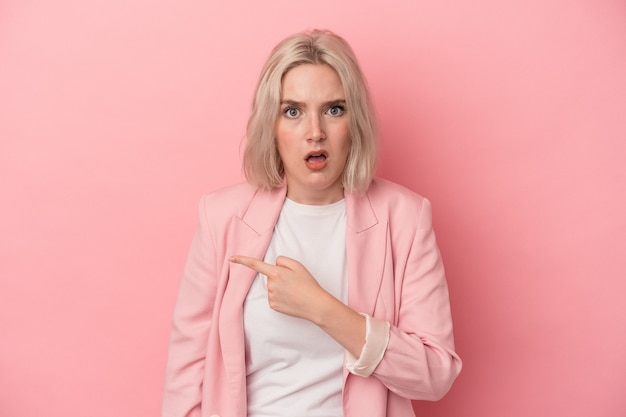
pixel 253 263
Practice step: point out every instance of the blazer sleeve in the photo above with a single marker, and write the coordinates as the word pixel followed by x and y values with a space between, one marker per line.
pixel 190 326
pixel 420 362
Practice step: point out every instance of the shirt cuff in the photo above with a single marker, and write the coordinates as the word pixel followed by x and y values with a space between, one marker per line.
pixel 376 340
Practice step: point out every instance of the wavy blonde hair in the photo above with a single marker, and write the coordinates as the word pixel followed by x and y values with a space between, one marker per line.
pixel 262 165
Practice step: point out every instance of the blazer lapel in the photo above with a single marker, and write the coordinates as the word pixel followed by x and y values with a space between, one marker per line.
pixel 366 246
pixel 250 235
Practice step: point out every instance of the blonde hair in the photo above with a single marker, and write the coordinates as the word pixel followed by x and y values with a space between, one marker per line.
pixel 262 165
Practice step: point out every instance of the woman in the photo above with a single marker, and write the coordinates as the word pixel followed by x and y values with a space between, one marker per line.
pixel 314 289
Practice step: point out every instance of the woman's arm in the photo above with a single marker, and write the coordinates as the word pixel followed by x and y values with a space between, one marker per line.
pixel 420 361
pixel 190 326
pixel 292 290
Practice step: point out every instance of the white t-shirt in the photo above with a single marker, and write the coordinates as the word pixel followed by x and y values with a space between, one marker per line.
pixel 295 369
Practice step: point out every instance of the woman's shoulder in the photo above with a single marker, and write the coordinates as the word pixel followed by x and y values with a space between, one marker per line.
pixel 235 191
pixel 229 200
pixel 383 191
pixel 241 200
pixel 399 205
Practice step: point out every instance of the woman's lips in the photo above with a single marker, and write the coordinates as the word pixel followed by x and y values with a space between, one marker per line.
pixel 316 160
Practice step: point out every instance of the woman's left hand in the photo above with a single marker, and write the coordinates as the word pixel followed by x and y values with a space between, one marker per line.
pixel 291 289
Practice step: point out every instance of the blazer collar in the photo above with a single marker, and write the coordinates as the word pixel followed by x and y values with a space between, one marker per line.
pixel 265 206
pixel 262 213
pixel 360 214
pixel 366 251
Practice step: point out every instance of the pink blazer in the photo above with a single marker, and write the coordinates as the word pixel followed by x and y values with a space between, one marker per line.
pixel 395 274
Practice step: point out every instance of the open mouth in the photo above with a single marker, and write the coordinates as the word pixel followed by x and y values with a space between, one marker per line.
pixel 316 160
pixel 316 157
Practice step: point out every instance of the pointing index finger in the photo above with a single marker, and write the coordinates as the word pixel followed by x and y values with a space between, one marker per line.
pixel 252 263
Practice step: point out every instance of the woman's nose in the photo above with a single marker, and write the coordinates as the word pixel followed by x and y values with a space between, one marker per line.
pixel 316 129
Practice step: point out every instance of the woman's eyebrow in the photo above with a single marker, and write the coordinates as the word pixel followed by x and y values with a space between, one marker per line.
pixel 299 104
pixel 291 103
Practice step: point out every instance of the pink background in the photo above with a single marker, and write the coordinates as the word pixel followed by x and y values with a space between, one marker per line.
pixel 115 116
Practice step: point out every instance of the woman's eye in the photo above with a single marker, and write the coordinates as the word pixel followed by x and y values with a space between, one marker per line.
pixel 291 112
pixel 336 111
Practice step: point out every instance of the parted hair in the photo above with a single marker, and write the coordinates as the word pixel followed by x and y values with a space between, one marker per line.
pixel 262 165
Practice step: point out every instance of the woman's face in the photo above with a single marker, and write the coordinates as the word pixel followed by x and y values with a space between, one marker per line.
pixel 313 134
